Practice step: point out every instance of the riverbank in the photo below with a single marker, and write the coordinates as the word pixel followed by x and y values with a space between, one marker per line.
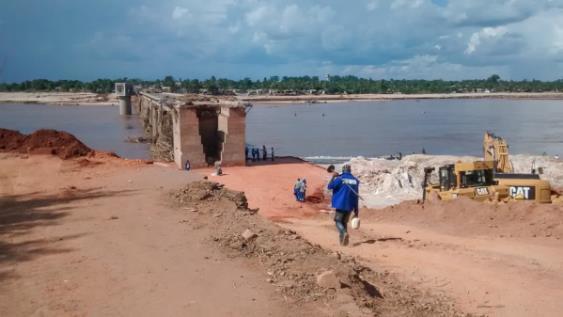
pixel 387 97
pixel 93 99
pixel 59 98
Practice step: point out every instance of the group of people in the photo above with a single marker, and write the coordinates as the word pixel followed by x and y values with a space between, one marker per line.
pixel 345 189
pixel 300 189
pixel 257 154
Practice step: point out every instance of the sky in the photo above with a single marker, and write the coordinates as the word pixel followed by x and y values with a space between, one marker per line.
pixel 412 39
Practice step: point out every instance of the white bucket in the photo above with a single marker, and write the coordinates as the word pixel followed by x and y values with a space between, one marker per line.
pixel 355 223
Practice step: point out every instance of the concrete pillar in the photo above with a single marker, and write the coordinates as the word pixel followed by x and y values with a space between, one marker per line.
pixel 125 105
pixel 135 105
pixel 187 141
pixel 235 136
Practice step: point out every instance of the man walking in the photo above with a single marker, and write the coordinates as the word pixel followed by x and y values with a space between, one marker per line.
pixel 296 189
pixel 345 188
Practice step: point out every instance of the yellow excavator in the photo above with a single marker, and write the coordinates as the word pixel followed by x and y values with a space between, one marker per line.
pixel 491 179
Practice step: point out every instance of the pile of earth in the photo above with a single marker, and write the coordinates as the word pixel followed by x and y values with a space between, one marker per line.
pixel 59 143
pixel 302 272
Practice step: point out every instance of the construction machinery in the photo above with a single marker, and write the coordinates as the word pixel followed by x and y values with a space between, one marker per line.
pixel 490 179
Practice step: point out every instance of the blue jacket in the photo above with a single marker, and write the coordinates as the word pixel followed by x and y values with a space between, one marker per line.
pixel 345 189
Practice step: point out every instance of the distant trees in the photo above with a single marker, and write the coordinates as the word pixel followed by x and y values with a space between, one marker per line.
pixel 493 79
pixel 302 84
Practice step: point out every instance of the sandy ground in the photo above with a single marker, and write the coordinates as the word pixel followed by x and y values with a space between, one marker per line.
pixel 97 237
pixel 363 97
pixel 94 239
pixel 101 236
pixel 497 261
pixel 59 98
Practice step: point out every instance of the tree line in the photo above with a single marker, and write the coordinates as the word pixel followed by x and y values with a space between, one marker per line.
pixel 294 85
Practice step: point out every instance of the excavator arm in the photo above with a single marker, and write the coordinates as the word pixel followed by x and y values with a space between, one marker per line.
pixel 496 149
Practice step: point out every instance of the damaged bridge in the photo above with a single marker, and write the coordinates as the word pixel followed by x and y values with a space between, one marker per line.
pixel 194 130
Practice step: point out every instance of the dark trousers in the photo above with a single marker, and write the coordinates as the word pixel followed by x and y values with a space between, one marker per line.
pixel 341 218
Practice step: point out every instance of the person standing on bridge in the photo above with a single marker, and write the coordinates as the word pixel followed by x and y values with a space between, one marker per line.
pixel 345 188
pixel 264 153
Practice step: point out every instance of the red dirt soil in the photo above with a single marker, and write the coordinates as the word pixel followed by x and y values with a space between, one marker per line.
pixel 59 143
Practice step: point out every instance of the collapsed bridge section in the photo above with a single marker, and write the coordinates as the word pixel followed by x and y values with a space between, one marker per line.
pixel 194 130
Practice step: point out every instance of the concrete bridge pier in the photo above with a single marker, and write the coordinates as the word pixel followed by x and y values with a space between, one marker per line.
pixel 125 106
pixel 124 91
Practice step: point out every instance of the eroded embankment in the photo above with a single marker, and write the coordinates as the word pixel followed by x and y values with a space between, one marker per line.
pixel 59 143
pixel 301 271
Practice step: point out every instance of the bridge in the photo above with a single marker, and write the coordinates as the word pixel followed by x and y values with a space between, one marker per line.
pixel 193 130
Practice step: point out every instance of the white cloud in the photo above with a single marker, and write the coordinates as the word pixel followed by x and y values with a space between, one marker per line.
pixel 372 5
pixel 386 37
pixel 412 4
pixel 487 33
pixel 179 12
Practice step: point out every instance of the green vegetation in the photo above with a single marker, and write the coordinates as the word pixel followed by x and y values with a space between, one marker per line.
pixel 297 85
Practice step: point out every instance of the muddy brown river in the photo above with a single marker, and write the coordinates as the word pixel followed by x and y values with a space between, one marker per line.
pixel 335 130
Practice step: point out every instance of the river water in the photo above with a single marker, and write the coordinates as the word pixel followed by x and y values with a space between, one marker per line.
pixel 334 130
pixel 99 127
pixel 372 129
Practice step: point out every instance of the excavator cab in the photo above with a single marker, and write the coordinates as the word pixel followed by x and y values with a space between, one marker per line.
pixel 473 180
pixel 476 178
pixel 447 177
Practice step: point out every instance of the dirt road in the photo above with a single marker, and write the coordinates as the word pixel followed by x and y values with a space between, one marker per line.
pixel 97 236
pixel 81 239
pixel 497 261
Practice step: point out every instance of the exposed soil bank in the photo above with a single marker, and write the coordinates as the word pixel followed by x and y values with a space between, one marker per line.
pixel 59 143
pixel 59 98
pixel 86 98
